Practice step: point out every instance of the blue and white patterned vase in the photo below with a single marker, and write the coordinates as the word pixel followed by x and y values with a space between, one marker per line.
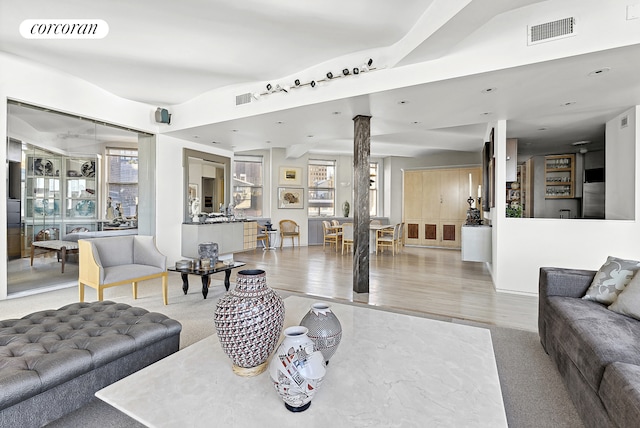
pixel 324 329
pixel 296 369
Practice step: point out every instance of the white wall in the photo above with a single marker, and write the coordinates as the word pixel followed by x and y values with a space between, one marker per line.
pixel 619 169
pixel 522 245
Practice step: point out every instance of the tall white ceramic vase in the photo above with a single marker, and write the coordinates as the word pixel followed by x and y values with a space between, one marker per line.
pixel 296 369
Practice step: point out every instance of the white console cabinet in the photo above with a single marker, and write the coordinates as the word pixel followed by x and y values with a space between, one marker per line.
pixel 476 243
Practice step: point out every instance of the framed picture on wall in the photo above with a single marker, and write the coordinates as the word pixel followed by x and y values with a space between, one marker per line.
pixel 290 175
pixel 290 197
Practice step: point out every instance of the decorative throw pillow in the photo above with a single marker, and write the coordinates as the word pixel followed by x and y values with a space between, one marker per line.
pixel 611 279
pixel 628 302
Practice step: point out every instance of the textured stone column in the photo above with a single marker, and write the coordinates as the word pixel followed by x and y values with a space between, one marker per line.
pixel 361 152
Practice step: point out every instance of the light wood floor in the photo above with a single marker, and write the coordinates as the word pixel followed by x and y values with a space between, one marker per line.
pixel 427 280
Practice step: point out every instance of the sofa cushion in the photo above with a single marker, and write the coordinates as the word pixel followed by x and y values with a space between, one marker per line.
pixel 628 302
pixel 593 336
pixel 611 279
pixel 620 393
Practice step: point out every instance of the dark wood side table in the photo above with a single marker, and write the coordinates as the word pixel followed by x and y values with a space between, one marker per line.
pixel 205 273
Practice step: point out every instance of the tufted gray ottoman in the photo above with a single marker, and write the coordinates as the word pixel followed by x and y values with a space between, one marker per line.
pixel 52 362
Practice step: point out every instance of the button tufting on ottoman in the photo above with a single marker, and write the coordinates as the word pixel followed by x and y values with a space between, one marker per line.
pixel 53 361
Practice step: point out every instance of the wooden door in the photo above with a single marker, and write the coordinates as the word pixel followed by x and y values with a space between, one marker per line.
pixel 412 206
pixel 431 205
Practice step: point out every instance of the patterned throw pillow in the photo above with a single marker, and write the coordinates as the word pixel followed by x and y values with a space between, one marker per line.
pixel 628 302
pixel 611 279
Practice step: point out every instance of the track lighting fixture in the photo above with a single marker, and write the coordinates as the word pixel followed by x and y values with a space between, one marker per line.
pixel 297 84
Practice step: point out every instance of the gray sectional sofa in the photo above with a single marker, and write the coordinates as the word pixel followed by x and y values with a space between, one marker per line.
pixel 52 362
pixel 596 350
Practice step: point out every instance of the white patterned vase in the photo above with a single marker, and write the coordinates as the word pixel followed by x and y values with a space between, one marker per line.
pixel 249 321
pixel 297 369
pixel 324 329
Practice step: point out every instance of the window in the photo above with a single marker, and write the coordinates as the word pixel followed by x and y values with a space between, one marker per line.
pixel 322 192
pixel 122 180
pixel 373 189
pixel 247 185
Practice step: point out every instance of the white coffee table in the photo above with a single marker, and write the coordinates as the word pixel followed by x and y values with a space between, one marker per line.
pixel 389 370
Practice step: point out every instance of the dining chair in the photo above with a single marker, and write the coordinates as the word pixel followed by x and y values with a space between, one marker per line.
pixel 347 236
pixel 289 229
pixel 385 239
pixel 330 235
pixel 335 222
pixel 262 236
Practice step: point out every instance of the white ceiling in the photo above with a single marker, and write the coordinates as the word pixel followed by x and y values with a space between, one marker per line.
pixel 166 53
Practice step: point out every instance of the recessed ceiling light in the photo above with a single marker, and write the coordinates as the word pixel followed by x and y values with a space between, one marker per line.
pixel 486 113
pixel 310 136
pixel 280 122
pixel 268 142
pixel 234 130
pixel 581 143
pixel 415 122
pixel 336 112
pixel 488 90
pixel 568 103
pixel 403 102
pixel 215 142
pixel 196 136
pixel 542 129
pixel 600 71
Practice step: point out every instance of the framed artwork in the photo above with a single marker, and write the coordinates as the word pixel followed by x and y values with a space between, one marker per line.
pixel 290 197
pixel 290 175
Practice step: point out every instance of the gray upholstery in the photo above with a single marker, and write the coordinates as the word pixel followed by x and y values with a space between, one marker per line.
pixel 125 257
pixel 49 349
pixel 596 350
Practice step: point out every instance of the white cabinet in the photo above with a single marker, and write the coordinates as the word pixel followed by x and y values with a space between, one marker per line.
pixel 476 243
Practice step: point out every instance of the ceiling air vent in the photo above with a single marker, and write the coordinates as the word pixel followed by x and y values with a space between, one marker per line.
pixel 552 30
pixel 243 98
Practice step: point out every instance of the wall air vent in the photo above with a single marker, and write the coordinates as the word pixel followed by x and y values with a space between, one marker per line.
pixel 243 98
pixel 624 121
pixel 549 31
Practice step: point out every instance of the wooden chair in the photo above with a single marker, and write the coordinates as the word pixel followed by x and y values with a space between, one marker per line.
pixel 335 223
pixel 289 229
pixel 401 237
pixel 262 236
pixel 330 235
pixel 384 239
pixel 347 236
